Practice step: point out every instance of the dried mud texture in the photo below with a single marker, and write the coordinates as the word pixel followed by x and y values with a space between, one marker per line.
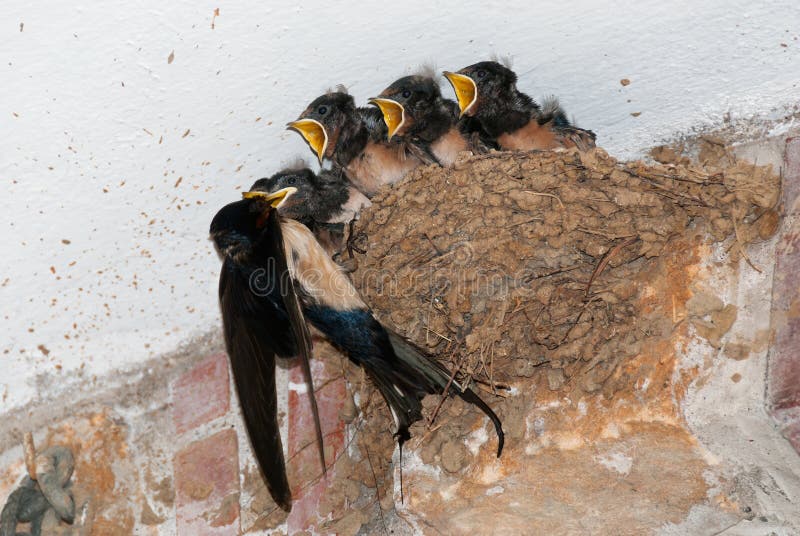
pixel 544 278
pixel 515 265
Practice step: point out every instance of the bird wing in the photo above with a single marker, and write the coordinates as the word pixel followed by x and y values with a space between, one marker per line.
pixel 422 153
pixel 298 322
pixel 567 134
pixel 253 365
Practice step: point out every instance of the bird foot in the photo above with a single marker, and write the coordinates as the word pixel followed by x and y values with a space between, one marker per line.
pixel 354 239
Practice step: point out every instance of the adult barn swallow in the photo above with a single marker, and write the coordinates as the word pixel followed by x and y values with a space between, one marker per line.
pixel 355 139
pixel 488 92
pixel 262 318
pixel 325 202
pixel 275 276
pixel 413 109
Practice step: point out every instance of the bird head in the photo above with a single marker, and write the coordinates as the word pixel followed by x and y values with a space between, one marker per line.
pixel 237 226
pixel 296 204
pixel 483 82
pixel 322 121
pixel 406 101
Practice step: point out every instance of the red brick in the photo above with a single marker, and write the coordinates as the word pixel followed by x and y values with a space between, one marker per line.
pixel 207 486
pixel 792 433
pixel 202 394
pixel 784 367
pixel 303 465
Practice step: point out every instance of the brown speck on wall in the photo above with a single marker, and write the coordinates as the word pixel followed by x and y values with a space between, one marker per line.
pixel 171 57
pixel 186 133
pixel 625 82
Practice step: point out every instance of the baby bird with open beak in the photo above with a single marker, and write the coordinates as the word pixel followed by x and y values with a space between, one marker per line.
pixel 488 92
pixel 355 139
pixel 415 111
pixel 325 202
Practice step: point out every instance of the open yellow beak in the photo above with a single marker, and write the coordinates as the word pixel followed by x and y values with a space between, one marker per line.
pixel 314 133
pixel 465 88
pixel 275 199
pixel 394 115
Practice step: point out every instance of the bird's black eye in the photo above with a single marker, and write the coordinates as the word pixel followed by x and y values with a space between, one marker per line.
pixel 481 73
pixel 406 93
pixel 322 110
pixel 292 180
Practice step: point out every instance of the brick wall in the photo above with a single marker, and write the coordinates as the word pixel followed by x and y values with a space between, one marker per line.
pixel 207 464
pixel 783 395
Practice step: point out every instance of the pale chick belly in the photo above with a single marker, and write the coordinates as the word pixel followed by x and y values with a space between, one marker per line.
pixel 531 136
pixel 446 148
pixel 378 166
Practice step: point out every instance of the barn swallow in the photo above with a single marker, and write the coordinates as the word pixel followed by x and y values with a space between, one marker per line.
pixel 355 139
pixel 488 92
pixel 327 203
pixel 413 109
pixel 275 275
pixel 262 318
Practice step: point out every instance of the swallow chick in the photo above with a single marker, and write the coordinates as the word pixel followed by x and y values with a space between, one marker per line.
pixel 325 202
pixel 488 92
pixel 355 139
pixel 275 277
pixel 414 110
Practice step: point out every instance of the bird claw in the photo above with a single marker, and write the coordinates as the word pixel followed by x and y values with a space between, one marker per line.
pixel 353 238
pixel 351 244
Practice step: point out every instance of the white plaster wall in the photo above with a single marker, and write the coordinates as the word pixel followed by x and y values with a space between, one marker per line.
pixel 107 146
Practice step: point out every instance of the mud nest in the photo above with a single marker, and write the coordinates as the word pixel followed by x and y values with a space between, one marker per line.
pixel 511 263
pixel 525 270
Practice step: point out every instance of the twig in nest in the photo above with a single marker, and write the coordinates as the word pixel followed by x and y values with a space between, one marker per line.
pixel 601 233
pixel 502 386
pixel 575 323
pixel 492 392
pixel 605 260
pixel 428 321
pixel 424 437
pixel 741 247
pixel 543 194
pixel 530 278
pixel 444 393
pixel 524 222
pixel 438 334
pixel 438 251
pixel 491 369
